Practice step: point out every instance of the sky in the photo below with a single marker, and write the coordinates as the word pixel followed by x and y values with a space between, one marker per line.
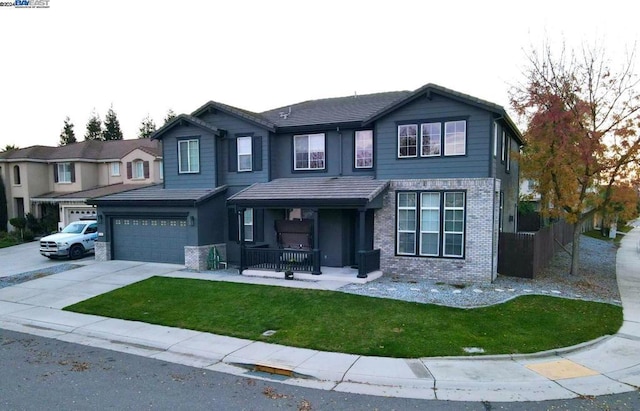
pixel 144 57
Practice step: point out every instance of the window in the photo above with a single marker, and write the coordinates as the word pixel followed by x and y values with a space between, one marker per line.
pixel 364 149
pixel 453 224
pixel 64 172
pixel 115 169
pixel 504 145
pixel 16 175
pixel 138 169
pixel 495 139
pixel 407 223
pixel 508 159
pixel 188 156
pixel 161 167
pixel 244 153
pixel 455 138
pixel 248 224
pixel 430 139
pixel 309 152
pixel 440 229
pixel 407 140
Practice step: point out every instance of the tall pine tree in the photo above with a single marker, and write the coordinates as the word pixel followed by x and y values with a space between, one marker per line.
pixel 147 127
pixel 67 136
pixel 111 126
pixel 94 127
pixel 170 116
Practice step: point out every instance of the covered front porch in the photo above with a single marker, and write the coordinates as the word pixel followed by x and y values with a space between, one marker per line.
pixel 309 226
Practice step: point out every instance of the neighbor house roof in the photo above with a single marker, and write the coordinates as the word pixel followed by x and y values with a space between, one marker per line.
pixel 92 150
pixel 158 196
pixel 59 197
pixel 337 110
pixel 311 191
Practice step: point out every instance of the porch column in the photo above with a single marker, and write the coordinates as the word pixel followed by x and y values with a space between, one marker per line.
pixel 240 213
pixel 316 244
pixel 362 213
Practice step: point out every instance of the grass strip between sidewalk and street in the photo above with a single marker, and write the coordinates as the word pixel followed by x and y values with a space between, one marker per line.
pixel 347 323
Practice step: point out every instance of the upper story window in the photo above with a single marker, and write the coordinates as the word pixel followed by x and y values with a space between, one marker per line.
pixel 115 169
pixel 495 140
pixel 189 156
pixel 364 149
pixel 455 138
pixel 244 153
pixel 64 172
pixel 504 146
pixel 138 169
pixel 16 175
pixel 508 156
pixel 431 139
pixel 407 140
pixel 309 152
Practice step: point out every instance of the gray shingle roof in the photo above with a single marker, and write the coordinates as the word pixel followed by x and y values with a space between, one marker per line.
pixel 333 110
pixel 343 190
pixel 157 195
pixel 56 196
pixel 237 112
pixel 184 118
pixel 87 150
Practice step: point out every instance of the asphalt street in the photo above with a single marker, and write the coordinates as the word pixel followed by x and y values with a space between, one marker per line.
pixel 41 373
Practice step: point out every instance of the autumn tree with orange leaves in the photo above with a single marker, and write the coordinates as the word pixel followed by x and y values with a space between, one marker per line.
pixel 582 137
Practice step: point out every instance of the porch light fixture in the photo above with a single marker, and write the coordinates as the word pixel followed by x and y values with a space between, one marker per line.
pixel 100 218
pixel 192 221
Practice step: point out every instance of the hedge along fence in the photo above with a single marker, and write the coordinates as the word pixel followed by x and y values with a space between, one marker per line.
pixel 526 254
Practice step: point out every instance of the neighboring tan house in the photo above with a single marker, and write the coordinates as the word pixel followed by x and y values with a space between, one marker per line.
pixel 42 179
pixel 417 184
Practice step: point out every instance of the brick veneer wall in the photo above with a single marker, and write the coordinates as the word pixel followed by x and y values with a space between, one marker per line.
pixel 195 257
pixel 481 234
pixel 102 251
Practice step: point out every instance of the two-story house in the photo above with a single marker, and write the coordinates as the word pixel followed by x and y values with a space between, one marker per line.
pixel 43 179
pixel 412 183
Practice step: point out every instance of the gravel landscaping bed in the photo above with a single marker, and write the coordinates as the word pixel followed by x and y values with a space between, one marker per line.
pixel 35 274
pixel 596 282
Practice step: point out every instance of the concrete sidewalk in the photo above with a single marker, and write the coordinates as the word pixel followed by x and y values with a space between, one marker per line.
pixel 607 366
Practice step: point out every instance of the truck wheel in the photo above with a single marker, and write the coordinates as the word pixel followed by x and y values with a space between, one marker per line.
pixel 77 251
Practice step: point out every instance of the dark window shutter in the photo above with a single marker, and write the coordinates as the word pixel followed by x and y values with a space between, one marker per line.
pixel 256 153
pixel 129 170
pixel 72 166
pixel 233 154
pixel 145 166
pixel 233 225
pixel 258 224
pixel 55 173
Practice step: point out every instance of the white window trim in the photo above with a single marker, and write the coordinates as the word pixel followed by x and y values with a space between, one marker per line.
pixel 422 231
pixel 408 125
pixel 115 165
pixel 137 174
pixel 444 230
pixel 370 133
pixel 299 137
pixel 161 169
pixel 422 137
pixel 62 173
pixel 495 139
pixel 242 227
pixel 464 147
pixel 398 230
pixel 508 159
pixel 188 170
pixel 241 153
pixel 504 143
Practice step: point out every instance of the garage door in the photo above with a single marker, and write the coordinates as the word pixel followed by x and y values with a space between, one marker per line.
pixel 159 240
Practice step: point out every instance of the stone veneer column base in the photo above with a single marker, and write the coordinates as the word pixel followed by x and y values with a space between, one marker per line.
pixel 481 226
pixel 195 257
pixel 102 251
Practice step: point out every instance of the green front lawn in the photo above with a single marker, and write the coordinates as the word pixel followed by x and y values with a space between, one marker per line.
pixel 340 322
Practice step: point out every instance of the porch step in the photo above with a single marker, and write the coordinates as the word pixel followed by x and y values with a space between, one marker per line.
pixel 346 275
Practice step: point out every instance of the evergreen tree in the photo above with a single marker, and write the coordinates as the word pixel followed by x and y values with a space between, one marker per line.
pixel 111 126
pixel 4 214
pixel 147 127
pixel 170 116
pixel 9 147
pixel 67 136
pixel 94 127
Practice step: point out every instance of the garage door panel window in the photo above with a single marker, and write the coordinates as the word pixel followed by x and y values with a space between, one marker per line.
pixel 439 231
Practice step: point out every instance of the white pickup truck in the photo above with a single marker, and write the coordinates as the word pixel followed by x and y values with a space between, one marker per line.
pixel 74 241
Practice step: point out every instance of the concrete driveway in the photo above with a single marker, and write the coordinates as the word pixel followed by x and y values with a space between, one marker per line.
pixel 26 257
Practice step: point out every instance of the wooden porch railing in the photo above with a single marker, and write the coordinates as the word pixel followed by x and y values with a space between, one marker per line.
pixel 368 261
pixel 279 259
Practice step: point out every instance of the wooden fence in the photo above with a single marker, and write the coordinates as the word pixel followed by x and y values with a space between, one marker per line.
pixel 526 254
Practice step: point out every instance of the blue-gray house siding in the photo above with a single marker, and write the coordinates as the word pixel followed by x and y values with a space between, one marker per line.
pixel 206 176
